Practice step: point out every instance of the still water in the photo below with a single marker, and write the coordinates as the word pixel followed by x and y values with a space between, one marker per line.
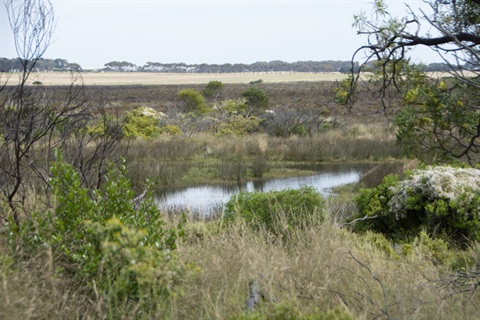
pixel 210 199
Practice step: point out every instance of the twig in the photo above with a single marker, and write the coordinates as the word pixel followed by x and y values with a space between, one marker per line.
pixel 358 219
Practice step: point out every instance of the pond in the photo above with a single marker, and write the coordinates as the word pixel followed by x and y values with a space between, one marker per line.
pixel 209 200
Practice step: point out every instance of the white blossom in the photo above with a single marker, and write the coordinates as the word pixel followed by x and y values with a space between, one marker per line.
pixel 446 183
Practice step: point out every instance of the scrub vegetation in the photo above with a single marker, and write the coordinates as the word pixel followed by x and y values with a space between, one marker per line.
pixel 81 237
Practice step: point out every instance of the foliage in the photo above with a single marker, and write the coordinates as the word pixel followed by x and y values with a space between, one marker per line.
pixel 439 123
pixel 277 211
pixel 231 106
pixel 171 130
pixel 193 101
pixel 120 66
pixel 256 98
pixel 123 249
pixel 141 122
pixel 238 125
pixel 343 92
pixel 212 89
pixel 444 201
pixel 436 125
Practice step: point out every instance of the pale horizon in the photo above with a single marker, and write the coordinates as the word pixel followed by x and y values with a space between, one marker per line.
pixel 93 33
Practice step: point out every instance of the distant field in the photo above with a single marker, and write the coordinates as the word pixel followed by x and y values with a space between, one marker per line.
pixel 149 78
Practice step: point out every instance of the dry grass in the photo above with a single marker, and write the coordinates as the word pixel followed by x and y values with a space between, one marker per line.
pixel 30 289
pixel 316 269
pixel 151 78
pixel 321 268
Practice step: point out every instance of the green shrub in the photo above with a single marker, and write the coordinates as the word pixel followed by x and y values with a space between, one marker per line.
pixel 259 81
pixel 193 101
pixel 142 122
pixel 171 130
pixel 259 167
pixel 233 106
pixel 256 98
pixel 239 125
pixel 212 89
pixel 277 210
pixel 444 201
pixel 103 240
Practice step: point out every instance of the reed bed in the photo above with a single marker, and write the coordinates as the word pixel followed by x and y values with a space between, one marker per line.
pixel 204 157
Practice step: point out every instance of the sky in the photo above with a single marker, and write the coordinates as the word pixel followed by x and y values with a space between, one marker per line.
pixel 95 32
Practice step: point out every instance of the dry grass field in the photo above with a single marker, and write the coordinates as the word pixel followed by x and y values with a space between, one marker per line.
pixel 150 78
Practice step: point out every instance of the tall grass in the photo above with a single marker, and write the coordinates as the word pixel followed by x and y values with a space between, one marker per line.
pixel 318 268
pixel 172 160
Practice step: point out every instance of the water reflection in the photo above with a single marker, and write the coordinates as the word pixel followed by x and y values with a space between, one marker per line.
pixel 210 199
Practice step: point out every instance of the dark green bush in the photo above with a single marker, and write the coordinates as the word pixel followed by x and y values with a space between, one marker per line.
pixel 256 98
pixel 212 89
pixel 444 201
pixel 277 210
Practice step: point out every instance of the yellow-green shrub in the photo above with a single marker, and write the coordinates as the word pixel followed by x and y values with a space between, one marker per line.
pixel 139 123
pixel 239 125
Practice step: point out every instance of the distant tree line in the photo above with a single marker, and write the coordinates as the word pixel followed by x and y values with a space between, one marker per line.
pixel 272 66
pixel 262 66
pixel 10 65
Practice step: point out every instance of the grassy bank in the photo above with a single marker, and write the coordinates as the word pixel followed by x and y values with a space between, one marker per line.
pixel 320 268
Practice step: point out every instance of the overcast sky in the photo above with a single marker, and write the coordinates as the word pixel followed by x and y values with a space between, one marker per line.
pixel 95 32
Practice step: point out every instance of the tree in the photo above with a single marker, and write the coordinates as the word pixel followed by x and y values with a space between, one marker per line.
pixel 120 66
pixel 440 120
pixel 33 122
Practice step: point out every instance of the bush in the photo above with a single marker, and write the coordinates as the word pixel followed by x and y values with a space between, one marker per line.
pixel 212 89
pixel 193 101
pixel 277 210
pixel 142 122
pixel 256 98
pixel 445 201
pixel 171 130
pixel 239 125
pixel 233 106
pixel 122 252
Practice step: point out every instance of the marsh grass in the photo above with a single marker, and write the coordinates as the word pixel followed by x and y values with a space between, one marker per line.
pixel 320 268
pixel 207 158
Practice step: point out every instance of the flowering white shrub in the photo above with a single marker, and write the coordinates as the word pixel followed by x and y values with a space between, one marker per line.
pixel 443 201
pixel 150 112
pixel 443 182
